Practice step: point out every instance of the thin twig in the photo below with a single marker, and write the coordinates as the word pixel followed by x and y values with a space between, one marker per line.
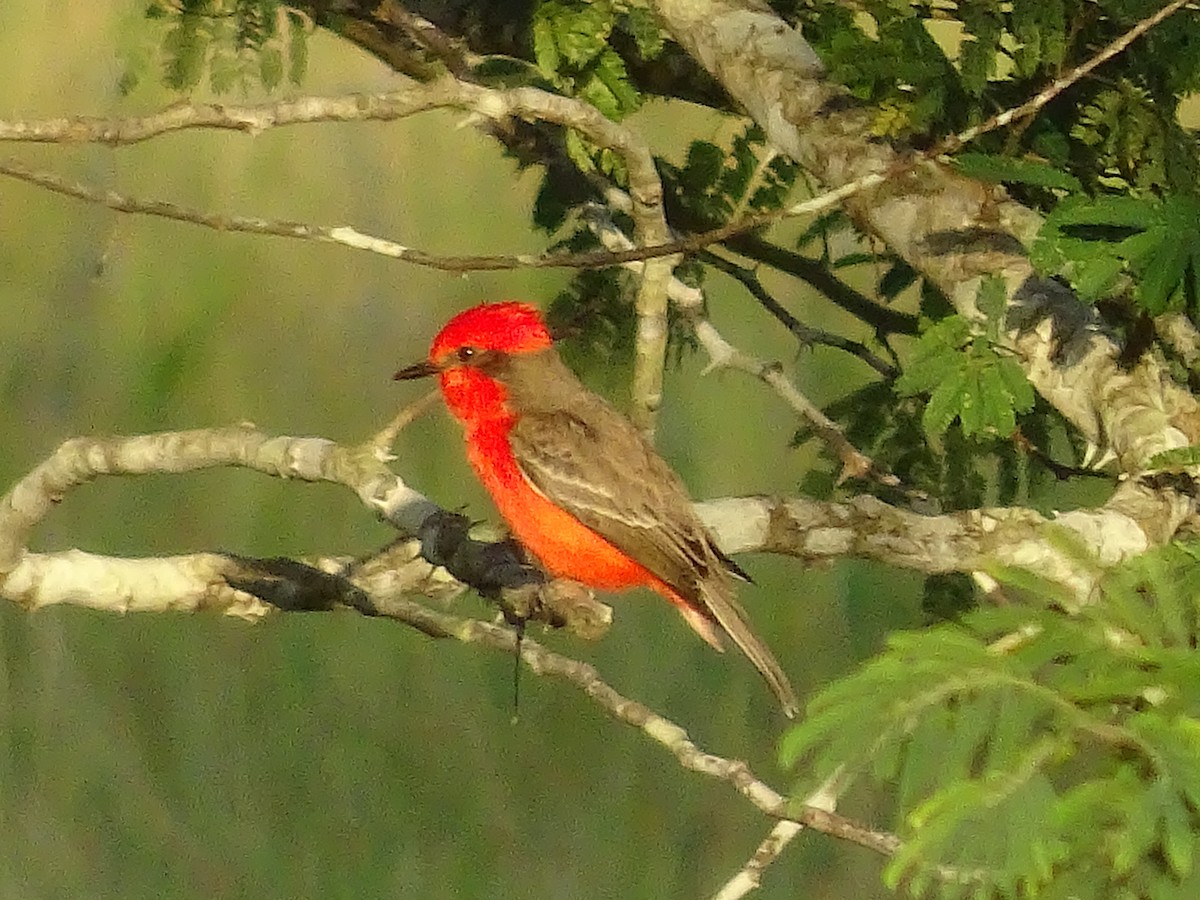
pixel 805 334
pixel 1056 87
pixel 749 877
pixel 382 442
pixel 824 798
pixel 645 188
pixel 814 272
pixel 722 354
pixel 752 184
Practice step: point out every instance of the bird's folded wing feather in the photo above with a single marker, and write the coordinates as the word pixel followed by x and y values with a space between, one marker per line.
pixel 613 482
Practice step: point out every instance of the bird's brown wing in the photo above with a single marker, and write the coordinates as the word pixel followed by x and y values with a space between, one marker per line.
pixel 593 463
pixel 608 477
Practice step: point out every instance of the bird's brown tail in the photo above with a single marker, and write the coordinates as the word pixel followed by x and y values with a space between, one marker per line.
pixel 722 607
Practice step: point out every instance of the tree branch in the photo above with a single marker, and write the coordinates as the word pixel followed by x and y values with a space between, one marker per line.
pixel 813 531
pixel 205 581
pixel 202 581
pixel 722 354
pixel 882 319
pixel 806 335
pixel 929 215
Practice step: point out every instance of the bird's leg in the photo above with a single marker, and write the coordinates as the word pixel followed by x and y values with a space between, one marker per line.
pixel 519 627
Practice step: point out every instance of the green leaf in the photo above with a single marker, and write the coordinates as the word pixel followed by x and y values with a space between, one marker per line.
pixel 945 403
pixel 998 402
pixel 570 34
pixel 1178 835
pixel 1096 276
pixel 185 50
pixel 1177 458
pixel 642 24
pixel 1093 241
pixel 897 279
pixel 549 208
pixel 1109 210
pixel 270 66
pixel 297 49
pixel 977 55
pixel 1040 29
pixel 992 300
pixel 580 150
pixel 1020 391
pixel 224 71
pixel 705 161
pixel 965 377
pixel 1010 170
pixel 936 353
pixel 1176 745
pixel 545 48
pixel 1045 754
pixel 973 413
pixel 608 87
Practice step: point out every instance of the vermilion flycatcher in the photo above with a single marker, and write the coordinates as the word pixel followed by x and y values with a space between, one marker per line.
pixel 579 486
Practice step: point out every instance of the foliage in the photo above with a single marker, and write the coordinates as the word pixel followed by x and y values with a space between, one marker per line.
pixel 1095 241
pixel 966 377
pixel 236 43
pixel 1178 459
pixel 1033 752
pixel 573 51
pixel 716 184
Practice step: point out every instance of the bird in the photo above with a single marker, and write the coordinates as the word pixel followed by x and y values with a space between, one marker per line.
pixel 577 483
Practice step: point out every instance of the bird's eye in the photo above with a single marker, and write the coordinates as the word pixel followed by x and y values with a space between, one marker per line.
pixel 466 353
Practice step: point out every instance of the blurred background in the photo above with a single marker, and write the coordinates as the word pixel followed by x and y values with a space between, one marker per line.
pixel 327 755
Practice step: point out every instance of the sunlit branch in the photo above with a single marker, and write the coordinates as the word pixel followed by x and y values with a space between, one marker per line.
pixel 644 185
pixel 395 105
pixel 1134 519
pixel 1056 87
pixel 202 581
pixel 748 878
pixel 206 581
pixel 659 729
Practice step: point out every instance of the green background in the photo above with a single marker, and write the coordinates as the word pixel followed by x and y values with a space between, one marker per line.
pixel 326 755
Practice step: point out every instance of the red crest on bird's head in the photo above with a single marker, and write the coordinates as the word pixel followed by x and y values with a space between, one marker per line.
pixel 509 327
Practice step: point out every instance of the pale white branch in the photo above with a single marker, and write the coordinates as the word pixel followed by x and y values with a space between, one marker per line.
pixel 80 460
pixel 202 581
pixel 163 584
pixel 749 877
pixel 1135 518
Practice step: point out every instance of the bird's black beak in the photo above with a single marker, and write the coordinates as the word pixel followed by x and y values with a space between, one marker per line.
pixel 423 369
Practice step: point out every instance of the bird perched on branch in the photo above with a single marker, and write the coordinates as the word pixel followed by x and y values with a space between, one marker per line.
pixel 577 483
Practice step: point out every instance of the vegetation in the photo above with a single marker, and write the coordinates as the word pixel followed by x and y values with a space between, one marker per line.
pixel 1017 296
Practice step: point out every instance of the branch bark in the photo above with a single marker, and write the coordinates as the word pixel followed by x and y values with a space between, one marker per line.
pixel 953 230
